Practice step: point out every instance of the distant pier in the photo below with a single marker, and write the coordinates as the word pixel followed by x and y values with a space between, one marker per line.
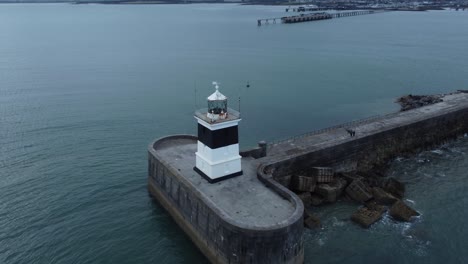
pixel 315 17
pixel 306 9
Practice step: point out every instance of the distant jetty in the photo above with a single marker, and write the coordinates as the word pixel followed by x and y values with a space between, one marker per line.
pixel 315 16
pixel 259 216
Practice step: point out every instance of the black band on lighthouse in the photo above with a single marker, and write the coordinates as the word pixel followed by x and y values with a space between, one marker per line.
pixel 218 138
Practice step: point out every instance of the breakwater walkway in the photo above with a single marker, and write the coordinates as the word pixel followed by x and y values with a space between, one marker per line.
pixel 315 17
pixel 255 219
pixel 377 139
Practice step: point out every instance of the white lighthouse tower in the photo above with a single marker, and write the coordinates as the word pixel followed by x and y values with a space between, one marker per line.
pixel 217 156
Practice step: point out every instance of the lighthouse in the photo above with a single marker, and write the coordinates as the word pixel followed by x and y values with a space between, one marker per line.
pixel 217 156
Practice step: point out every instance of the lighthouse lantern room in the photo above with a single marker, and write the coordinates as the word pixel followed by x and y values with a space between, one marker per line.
pixel 217 156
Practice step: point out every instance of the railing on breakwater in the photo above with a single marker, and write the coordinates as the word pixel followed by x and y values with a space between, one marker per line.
pixel 347 125
pixel 315 16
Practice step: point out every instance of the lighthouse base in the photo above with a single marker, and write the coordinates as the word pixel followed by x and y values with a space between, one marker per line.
pixel 210 180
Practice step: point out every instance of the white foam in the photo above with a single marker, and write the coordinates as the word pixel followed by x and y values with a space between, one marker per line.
pixel 437 151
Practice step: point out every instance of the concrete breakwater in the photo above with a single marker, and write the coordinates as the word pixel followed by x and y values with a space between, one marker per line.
pixel 239 220
pixel 255 219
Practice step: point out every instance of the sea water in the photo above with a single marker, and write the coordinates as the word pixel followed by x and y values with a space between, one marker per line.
pixel 85 88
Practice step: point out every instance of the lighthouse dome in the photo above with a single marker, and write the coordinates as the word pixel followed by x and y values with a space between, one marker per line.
pixel 217 96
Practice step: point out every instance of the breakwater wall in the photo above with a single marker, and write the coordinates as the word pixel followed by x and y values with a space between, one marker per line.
pixel 253 218
pixel 377 141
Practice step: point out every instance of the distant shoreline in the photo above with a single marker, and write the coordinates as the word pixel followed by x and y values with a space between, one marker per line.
pixel 117 2
pixel 178 2
pixel 151 2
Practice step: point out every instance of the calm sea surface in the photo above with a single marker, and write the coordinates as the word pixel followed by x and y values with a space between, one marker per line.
pixel 85 88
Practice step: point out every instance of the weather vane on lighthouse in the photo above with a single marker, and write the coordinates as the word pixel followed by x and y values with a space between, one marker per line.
pixel 217 156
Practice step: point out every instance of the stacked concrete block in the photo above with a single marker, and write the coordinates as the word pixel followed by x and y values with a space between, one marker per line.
pixel 331 191
pixel 322 174
pixel 301 183
pixel 359 191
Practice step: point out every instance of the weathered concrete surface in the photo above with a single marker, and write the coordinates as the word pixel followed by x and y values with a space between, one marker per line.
pixel 244 199
pixel 238 220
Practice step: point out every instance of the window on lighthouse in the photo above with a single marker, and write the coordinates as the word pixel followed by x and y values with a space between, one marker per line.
pixel 217 107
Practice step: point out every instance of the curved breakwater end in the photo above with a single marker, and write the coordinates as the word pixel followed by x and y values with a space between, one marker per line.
pixel 240 220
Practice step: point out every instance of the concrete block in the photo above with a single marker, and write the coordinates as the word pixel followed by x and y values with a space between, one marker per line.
pixel 374 206
pixel 365 216
pixel 306 198
pixel 349 177
pixel 322 174
pixel 302 183
pixel 316 199
pixel 358 191
pixel 341 184
pixel 394 187
pixel 402 212
pixel 311 221
pixel 383 197
pixel 331 191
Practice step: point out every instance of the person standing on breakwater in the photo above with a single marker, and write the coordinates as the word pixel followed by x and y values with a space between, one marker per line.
pixel 351 132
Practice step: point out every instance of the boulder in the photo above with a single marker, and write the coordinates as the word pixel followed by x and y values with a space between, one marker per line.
pixel 358 191
pixel 365 216
pixel 402 212
pixel 301 183
pixel 383 197
pixel 394 187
